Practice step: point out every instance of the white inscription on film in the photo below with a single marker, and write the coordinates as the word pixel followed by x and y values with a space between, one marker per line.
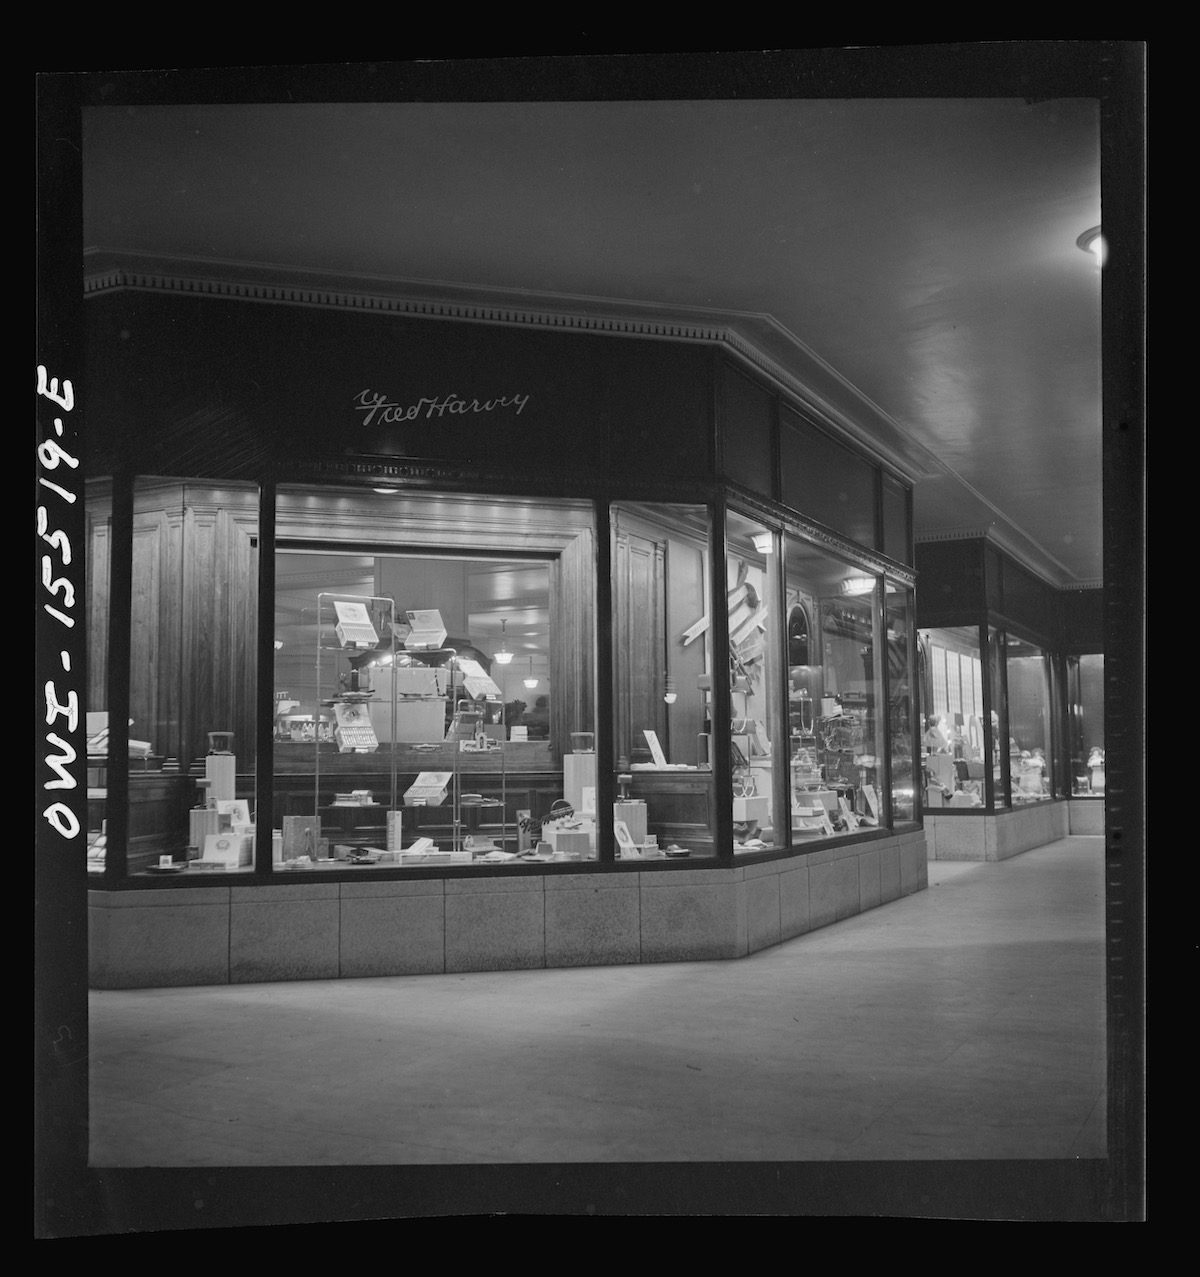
pixel 54 458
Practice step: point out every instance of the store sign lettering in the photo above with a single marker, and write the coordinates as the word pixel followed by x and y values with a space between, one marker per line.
pixel 61 702
pixel 378 409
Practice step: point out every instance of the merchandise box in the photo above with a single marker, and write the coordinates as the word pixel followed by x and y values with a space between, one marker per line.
pixel 428 790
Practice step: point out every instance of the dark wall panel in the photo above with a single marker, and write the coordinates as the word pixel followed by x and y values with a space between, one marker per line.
pixel 213 386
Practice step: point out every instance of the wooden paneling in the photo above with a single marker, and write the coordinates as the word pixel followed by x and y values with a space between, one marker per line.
pixel 220 601
pixel 679 807
pixel 687 603
pixel 150 623
pixel 572 642
pixel 639 564
pixel 192 615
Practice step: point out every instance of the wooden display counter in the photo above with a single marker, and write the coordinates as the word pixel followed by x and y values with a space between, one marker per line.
pixel 679 806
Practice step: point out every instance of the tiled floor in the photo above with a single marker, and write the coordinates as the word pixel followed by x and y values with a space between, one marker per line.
pixel 965 1022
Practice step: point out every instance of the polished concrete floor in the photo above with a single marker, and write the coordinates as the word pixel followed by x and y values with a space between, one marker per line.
pixel 964 1022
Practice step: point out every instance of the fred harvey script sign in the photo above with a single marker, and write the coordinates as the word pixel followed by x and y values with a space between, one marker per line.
pixel 380 410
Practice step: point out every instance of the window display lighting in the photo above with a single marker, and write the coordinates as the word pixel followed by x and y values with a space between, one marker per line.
pixel 502 655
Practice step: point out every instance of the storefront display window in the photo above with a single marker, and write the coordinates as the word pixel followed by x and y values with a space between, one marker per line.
pixel 1029 742
pixel 433 681
pixel 662 682
pixel 955 741
pixel 834 693
pixel 190 693
pixel 1085 694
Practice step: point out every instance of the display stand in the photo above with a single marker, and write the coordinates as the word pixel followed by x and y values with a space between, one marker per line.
pixel 355 637
pixel 468 733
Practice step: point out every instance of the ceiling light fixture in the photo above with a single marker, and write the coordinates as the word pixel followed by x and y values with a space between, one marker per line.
pixel 502 655
pixel 858 585
pixel 1092 241
pixel 670 695
pixel 531 682
pixel 387 492
pixel 764 542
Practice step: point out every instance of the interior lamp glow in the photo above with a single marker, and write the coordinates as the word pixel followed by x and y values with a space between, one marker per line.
pixel 502 656
pixel 669 695
pixel 1092 241
pixel 764 542
pixel 531 682
pixel 858 585
pixel 386 492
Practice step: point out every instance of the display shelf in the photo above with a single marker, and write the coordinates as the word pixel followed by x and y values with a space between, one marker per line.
pixel 356 637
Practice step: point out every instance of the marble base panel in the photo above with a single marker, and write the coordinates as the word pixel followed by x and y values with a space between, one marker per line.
pixel 156 939
pixel 495 924
pixel 979 836
pixel 284 933
pixel 400 929
pixel 321 931
pixel 593 921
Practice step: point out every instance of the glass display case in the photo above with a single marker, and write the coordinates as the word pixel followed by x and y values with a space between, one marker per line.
pixel 351 820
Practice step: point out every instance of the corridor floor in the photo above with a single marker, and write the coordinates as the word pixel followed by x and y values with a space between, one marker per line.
pixel 964 1022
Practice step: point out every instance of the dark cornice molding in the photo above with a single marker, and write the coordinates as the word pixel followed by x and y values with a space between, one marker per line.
pixel 1019 551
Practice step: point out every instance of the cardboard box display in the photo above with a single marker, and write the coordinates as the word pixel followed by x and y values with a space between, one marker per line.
pixel 428 790
pixel 231 850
